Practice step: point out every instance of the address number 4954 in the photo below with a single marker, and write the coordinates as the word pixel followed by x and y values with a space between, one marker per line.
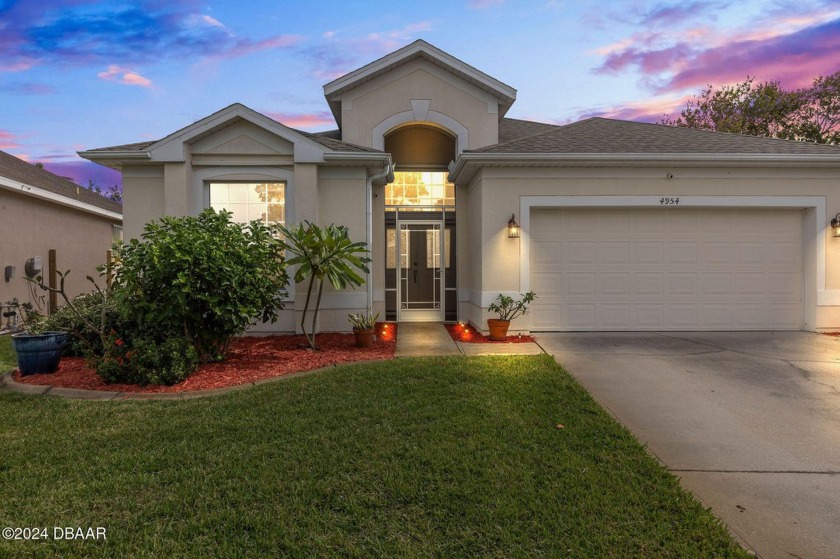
pixel 669 201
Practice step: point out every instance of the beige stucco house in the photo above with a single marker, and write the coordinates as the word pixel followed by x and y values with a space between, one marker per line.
pixel 42 213
pixel 624 226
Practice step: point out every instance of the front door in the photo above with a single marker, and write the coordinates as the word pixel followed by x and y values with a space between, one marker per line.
pixel 421 275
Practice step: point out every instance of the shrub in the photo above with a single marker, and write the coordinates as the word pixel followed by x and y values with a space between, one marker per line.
pixel 204 277
pixel 84 340
pixel 146 360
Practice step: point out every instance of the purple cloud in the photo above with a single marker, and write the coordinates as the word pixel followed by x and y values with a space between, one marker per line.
pixel 82 172
pixel 793 58
pixel 670 14
pixel 23 88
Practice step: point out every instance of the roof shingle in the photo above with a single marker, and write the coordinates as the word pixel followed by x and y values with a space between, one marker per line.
pixel 21 171
pixel 606 136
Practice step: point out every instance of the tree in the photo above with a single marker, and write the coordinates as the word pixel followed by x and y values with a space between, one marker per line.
pixel 323 254
pixel 767 109
pixel 112 192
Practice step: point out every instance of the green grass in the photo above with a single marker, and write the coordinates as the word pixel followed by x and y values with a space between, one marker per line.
pixel 7 354
pixel 439 457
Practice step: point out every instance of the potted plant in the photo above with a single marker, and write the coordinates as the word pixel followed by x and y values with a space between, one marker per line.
pixel 508 309
pixel 37 350
pixel 363 325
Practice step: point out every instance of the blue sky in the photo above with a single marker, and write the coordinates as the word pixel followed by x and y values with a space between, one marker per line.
pixel 77 74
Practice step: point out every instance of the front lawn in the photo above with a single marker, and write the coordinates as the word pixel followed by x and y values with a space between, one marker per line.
pixel 436 457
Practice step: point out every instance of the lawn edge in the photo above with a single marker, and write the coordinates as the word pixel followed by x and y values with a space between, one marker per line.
pixel 8 382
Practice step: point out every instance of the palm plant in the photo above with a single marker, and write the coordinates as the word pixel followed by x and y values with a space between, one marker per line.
pixel 323 253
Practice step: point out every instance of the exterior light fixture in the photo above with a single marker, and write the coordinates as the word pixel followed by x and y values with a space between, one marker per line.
pixel 835 224
pixel 513 227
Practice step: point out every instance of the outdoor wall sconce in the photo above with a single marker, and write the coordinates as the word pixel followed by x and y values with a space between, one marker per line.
pixel 835 224
pixel 513 227
pixel 9 273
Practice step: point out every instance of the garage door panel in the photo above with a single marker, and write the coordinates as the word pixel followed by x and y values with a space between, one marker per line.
pixel 614 283
pixel 682 269
pixel 648 284
pixel 681 252
pixel 681 284
pixel 751 253
pixel 579 253
pixel 717 252
pixel 649 315
pixel 613 252
pixel 716 284
pixel 581 316
pixel 579 284
pixel 647 252
pixel 785 254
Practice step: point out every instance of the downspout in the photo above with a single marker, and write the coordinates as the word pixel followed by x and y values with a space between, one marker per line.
pixel 386 171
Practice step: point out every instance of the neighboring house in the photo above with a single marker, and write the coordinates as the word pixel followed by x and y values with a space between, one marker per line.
pixel 42 212
pixel 624 226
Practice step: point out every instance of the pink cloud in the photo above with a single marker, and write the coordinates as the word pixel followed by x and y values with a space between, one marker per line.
pixel 645 111
pixel 121 75
pixel 793 59
pixel 792 50
pixel 8 140
pixel 247 47
pixel 306 121
pixel 482 4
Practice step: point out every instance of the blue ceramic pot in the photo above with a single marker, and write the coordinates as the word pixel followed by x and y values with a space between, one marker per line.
pixel 39 353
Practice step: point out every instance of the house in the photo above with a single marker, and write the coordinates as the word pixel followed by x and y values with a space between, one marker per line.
pixel 623 225
pixel 50 224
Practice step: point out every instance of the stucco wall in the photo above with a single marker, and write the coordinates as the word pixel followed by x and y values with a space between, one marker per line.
pixel 32 227
pixel 367 106
pixel 143 198
pixel 501 191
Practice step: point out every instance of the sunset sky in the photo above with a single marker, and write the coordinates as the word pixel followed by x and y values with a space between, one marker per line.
pixel 77 74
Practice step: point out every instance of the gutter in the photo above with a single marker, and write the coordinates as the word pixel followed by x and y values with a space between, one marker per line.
pixel 388 174
pixel 466 160
pixel 36 192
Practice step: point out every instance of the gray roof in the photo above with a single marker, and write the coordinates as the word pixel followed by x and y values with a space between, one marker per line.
pixel 21 171
pixel 330 139
pixel 606 136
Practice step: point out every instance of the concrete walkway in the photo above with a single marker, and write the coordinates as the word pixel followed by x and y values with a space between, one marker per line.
pixel 749 422
pixel 424 339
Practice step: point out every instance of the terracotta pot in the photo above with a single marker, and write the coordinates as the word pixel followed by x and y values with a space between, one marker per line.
pixel 498 329
pixel 364 338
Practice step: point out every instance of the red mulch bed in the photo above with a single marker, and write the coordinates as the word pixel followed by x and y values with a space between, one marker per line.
pixel 467 334
pixel 249 359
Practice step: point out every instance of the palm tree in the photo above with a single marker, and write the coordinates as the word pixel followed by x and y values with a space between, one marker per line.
pixel 323 253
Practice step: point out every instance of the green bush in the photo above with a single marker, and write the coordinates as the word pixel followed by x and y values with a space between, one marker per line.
pixel 146 360
pixel 84 341
pixel 204 277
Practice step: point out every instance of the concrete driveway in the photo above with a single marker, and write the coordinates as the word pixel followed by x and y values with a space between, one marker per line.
pixel 750 422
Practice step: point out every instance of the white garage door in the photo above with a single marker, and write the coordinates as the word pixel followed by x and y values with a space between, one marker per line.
pixel 666 269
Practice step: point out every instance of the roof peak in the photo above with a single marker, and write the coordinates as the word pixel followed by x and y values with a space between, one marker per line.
pixel 418 49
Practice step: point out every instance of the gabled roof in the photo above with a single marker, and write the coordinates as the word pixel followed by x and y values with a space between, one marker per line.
pixel 29 179
pixel 419 49
pixel 605 142
pixel 170 147
pixel 607 136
